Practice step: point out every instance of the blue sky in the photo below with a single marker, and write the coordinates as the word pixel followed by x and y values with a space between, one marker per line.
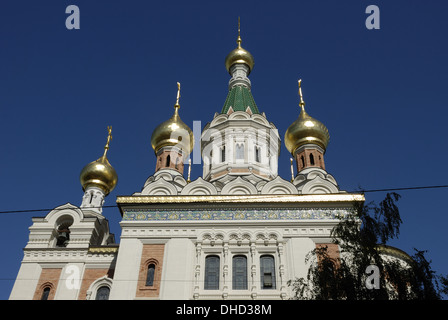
pixel 381 93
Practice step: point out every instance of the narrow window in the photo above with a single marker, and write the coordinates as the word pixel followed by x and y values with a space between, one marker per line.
pixel 102 293
pixel 239 273
pixel 303 161
pixel 45 293
pixel 168 160
pixel 312 159
pixel 223 154
pixel 150 274
pixel 240 151
pixel 257 154
pixel 211 281
pixel 177 163
pixel 267 272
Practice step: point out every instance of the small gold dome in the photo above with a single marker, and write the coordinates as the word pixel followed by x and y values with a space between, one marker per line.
pixel 173 132
pixel 305 130
pixel 239 55
pixel 100 173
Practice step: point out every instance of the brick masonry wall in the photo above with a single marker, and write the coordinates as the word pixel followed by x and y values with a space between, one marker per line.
pixel 48 278
pixel 151 254
pixel 174 156
pixel 318 159
pixel 91 275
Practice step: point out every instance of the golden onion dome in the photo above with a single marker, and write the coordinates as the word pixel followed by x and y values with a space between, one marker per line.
pixel 239 55
pixel 306 130
pixel 100 173
pixel 173 132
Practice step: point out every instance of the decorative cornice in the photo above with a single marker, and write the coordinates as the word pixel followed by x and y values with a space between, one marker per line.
pixel 313 198
pixel 103 249
pixel 135 214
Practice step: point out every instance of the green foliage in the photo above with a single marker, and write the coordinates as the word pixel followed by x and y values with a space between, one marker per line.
pixel 362 237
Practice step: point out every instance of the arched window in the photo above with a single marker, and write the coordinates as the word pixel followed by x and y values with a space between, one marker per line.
pixel 168 160
pixel 45 293
pixel 239 273
pixel 311 159
pixel 303 161
pixel 257 154
pixel 240 151
pixel 267 272
pixel 102 293
pixel 223 154
pixel 211 280
pixel 150 274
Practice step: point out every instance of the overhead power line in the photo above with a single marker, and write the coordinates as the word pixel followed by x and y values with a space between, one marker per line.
pixel 356 191
pixel 400 189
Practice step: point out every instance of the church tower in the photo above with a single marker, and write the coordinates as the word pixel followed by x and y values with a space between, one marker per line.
pixel 240 143
pixel 98 179
pixel 172 141
pixel 71 253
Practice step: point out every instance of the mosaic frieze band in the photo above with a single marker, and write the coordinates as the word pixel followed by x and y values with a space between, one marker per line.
pixel 254 214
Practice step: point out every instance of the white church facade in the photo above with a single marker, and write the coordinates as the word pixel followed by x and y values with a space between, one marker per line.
pixel 238 232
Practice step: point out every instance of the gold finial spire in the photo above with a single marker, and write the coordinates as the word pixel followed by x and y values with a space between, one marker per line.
pixel 238 40
pixel 189 171
pixel 109 137
pixel 292 170
pixel 178 95
pixel 302 103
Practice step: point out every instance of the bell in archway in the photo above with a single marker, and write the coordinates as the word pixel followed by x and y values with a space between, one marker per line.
pixel 62 239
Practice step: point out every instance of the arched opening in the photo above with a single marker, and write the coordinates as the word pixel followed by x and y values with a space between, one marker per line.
pixel 311 159
pixel 223 154
pixel 211 280
pixel 168 160
pixel 239 151
pixel 102 293
pixel 45 293
pixel 267 272
pixel 239 272
pixel 150 274
pixel 63 231
pixel 257 154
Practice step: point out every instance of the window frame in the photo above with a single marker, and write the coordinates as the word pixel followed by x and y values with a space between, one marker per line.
pixel 150 282
pixel 103 286
pixel 215 285
pixel 263 272
pixel 245 272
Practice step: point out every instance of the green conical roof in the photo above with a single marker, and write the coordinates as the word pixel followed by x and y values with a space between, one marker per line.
pixel 239 98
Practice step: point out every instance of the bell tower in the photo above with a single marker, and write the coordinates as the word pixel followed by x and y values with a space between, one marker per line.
pixel 71 250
